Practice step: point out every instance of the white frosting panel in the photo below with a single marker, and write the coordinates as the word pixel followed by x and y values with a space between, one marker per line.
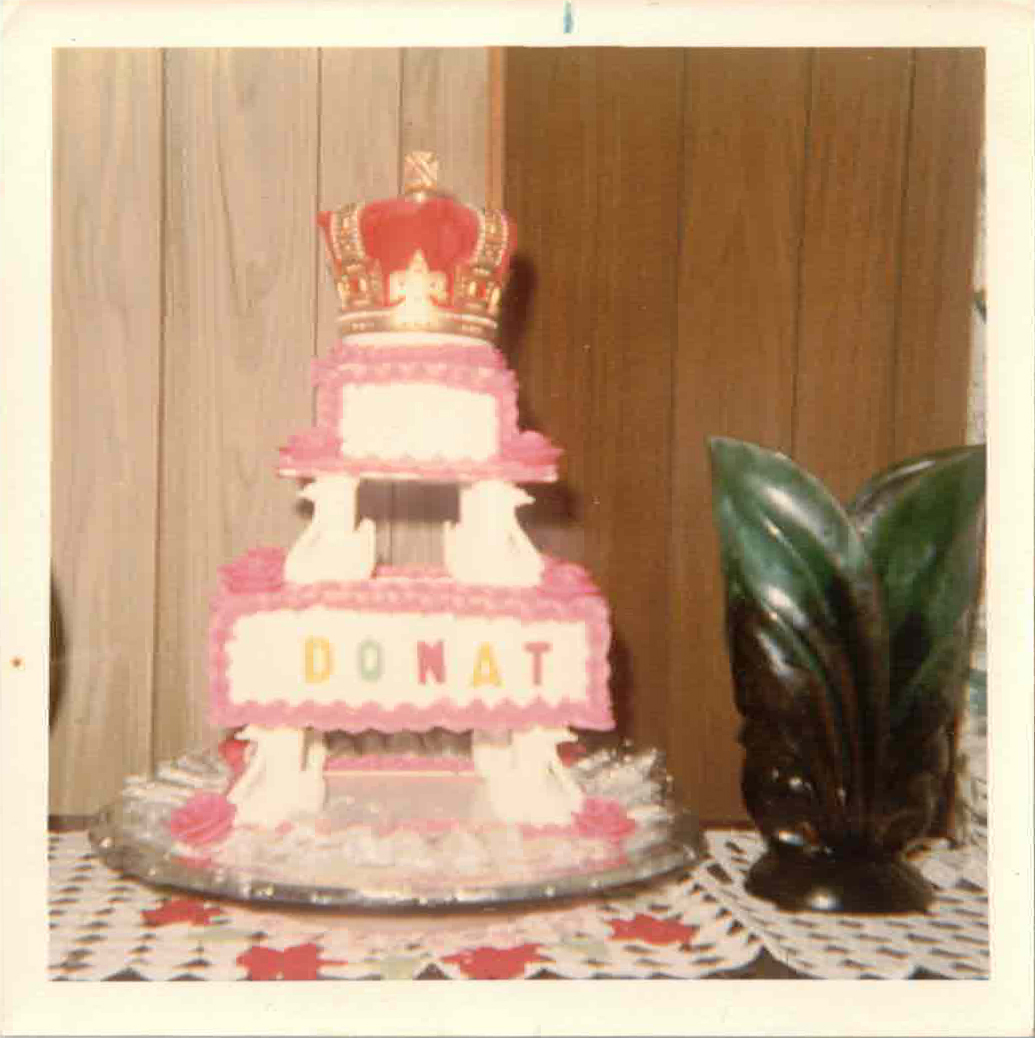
pixel 418 420
pixel 338 656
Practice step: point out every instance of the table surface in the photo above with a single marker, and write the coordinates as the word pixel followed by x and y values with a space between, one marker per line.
pixel 693 924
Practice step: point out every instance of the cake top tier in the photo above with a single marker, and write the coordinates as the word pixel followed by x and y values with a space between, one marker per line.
pixel 422 261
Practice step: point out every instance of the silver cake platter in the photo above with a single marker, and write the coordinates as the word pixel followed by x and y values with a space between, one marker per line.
pixel 132 836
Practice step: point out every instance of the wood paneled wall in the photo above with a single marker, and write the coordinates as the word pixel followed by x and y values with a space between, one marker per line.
pixel 769 244
pixel 190 297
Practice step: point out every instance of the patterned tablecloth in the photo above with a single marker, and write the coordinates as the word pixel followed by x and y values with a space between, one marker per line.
pixel 701 923
pixel 697 924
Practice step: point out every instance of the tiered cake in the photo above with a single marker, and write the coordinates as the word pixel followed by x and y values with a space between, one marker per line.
pixel 378 713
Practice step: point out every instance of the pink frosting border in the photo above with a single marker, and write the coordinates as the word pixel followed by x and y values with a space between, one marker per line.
pixel 346 764
pixel 475 354
pixel 577 602
pixel 599 819
pixel 410 468
pixel 523 457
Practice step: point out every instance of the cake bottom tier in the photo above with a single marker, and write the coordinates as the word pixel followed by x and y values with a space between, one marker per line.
pixel 400 837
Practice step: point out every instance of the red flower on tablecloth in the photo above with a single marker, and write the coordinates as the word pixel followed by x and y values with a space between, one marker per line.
pixel 205 818
pixel 606 818
pixel 261 569
pixel 181 910
pixel 651 929
pixel 496 963
pixel 300 962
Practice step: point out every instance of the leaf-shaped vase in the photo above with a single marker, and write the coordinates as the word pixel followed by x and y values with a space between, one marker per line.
pixel 848 632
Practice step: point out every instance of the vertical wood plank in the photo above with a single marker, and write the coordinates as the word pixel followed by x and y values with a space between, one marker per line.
pixel 496 157
pixel 634 252
pixel 745 137
pixel 241 170
pixel 851 264
pixel 547 323
pixel 932 371
pixel 594 165
pixel 107 320
pixel 359 148
pixel 443 108
pixel 934 325
pixel 359 161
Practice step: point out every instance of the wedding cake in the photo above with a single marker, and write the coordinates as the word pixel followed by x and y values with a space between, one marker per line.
pixel 376 713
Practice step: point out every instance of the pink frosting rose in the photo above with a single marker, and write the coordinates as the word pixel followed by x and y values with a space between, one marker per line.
pixel 567 578
pixel 234 752
pixel 531 448
pixel 205 818
pixel 570 752
pixel 311 445
pixel 603 818
pixel 261 569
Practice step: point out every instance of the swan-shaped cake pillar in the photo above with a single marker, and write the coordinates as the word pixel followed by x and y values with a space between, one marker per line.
pixel 488 545
pixel 283 777
pixel 524 779
pixel 333 547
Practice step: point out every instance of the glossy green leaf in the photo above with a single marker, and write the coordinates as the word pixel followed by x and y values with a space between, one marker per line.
pixel 788 546
pixel 923 526
pixel 795 755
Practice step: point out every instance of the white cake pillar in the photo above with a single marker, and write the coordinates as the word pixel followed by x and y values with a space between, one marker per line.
pixel 332 547
pixel 488 545
pixel 283 777
pixel 525 779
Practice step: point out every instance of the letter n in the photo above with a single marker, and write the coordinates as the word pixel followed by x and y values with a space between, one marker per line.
pixel 431 659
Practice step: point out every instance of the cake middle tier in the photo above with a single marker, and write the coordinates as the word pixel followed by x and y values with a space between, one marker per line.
pixel 433 410
pixel 408 652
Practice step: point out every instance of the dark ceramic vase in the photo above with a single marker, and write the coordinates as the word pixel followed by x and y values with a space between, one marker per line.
pixel 849 632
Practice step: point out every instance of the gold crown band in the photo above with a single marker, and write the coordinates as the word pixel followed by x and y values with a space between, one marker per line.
pixel 442 321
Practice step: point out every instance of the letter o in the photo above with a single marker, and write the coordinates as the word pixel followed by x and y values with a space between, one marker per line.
pixel 370 660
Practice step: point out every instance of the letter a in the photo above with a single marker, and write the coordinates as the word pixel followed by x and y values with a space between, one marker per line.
pixel 485 670
pixel 319 660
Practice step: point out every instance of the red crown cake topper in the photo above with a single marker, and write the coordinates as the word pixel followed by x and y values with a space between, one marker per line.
pixel 420 262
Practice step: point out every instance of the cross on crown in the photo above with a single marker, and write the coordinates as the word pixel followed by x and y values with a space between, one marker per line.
pixel 418 287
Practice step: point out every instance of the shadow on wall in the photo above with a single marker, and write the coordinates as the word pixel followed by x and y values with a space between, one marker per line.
pixel 553 520
pixel 58 655
pixel 550 520
pixel 621 683
pixel 515 305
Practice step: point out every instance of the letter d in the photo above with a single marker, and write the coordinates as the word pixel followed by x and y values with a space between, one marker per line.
pixel 319 660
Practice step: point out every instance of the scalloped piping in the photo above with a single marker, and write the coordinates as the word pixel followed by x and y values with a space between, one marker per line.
pixel 479 354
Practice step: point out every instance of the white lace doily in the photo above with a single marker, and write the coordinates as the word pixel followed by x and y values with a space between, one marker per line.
pixel 106 926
